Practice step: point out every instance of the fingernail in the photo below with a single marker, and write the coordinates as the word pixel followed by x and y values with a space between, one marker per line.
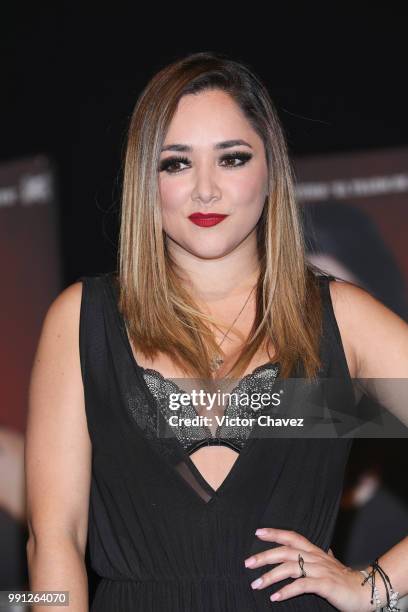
pixel 256 583
pixel 275 596
pixel 250 562
pixel 260 532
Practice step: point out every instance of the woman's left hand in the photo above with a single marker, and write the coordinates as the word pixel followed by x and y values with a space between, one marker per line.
pixel 325 575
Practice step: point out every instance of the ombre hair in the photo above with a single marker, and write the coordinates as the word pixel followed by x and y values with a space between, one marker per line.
pixel 160 314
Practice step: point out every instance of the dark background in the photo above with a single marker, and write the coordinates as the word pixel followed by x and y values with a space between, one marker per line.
pixel 71 75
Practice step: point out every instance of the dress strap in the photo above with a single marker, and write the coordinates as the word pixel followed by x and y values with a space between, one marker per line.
pixel 338 365
pixel 90 319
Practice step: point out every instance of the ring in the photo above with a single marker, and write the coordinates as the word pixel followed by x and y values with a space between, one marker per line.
pixel 301 562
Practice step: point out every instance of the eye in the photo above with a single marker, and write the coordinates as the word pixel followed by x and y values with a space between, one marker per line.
pixel 241 156
pixel 168 163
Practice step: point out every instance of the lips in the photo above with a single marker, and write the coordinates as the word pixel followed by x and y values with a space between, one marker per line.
pixel 206 220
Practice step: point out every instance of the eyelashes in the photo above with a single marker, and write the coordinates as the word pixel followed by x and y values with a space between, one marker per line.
pixel 166 164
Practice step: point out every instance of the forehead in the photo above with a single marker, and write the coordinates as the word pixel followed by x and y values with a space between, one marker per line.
pixel 207 116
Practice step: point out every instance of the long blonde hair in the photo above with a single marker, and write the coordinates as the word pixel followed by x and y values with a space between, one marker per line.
pixel 160 314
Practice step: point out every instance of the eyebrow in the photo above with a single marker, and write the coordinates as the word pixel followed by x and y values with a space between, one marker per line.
pixel 226 144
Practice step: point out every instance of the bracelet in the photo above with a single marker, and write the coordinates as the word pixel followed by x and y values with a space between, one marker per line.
pixel 374 591
pixel 392 596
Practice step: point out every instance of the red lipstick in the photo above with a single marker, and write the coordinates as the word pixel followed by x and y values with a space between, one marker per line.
pixel 207 220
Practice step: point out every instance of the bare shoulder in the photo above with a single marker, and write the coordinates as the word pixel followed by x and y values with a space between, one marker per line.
pixel 66 304
pixel 60 329
pixel 58 448
pixel 374 337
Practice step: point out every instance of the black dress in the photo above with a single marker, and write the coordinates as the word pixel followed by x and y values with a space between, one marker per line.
pixel 161 538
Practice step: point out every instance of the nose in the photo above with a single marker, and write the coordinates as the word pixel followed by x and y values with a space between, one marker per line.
pixel 206 190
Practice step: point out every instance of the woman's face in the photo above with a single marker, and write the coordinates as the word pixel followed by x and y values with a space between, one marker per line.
pixel 200 172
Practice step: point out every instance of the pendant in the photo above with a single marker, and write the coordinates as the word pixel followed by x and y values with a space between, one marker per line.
pixel 216 362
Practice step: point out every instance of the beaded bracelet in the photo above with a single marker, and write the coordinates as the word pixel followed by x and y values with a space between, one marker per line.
pixel 392 596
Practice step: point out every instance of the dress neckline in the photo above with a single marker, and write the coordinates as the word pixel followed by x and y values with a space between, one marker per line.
pixel 211 494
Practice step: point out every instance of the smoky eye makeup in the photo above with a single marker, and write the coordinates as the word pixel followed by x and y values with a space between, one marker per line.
pixel 168 164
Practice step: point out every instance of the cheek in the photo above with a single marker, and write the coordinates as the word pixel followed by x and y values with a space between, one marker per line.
pixel 249 191
pixel 174 194
pixel 173 198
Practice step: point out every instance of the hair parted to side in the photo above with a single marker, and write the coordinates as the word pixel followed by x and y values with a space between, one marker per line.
pixel 159 312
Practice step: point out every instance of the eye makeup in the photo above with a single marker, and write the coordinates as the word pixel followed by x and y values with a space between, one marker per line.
pixel 166 164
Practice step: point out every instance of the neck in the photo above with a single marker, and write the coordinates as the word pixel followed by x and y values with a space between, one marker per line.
pixel 217 278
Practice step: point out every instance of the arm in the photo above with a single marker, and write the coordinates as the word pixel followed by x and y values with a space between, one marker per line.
pixel 379 339
pixel 58 457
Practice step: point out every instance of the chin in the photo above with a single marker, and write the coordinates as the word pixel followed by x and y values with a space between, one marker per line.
pixel 211 253
pixel 205 248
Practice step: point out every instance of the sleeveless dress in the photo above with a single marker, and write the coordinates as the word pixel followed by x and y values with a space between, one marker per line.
pixel 160 537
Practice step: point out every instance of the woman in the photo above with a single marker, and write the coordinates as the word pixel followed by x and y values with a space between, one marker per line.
pixel 212 283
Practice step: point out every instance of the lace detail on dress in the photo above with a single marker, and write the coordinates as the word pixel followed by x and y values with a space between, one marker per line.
pixel 195 434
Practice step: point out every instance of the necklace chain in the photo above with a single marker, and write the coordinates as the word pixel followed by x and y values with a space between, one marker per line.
pixel 217 360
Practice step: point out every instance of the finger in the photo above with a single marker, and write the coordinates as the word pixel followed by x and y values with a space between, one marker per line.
pixel 279 554
pixel 301 585
pixel 290 569
pixel 287 537
pixel 330 552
